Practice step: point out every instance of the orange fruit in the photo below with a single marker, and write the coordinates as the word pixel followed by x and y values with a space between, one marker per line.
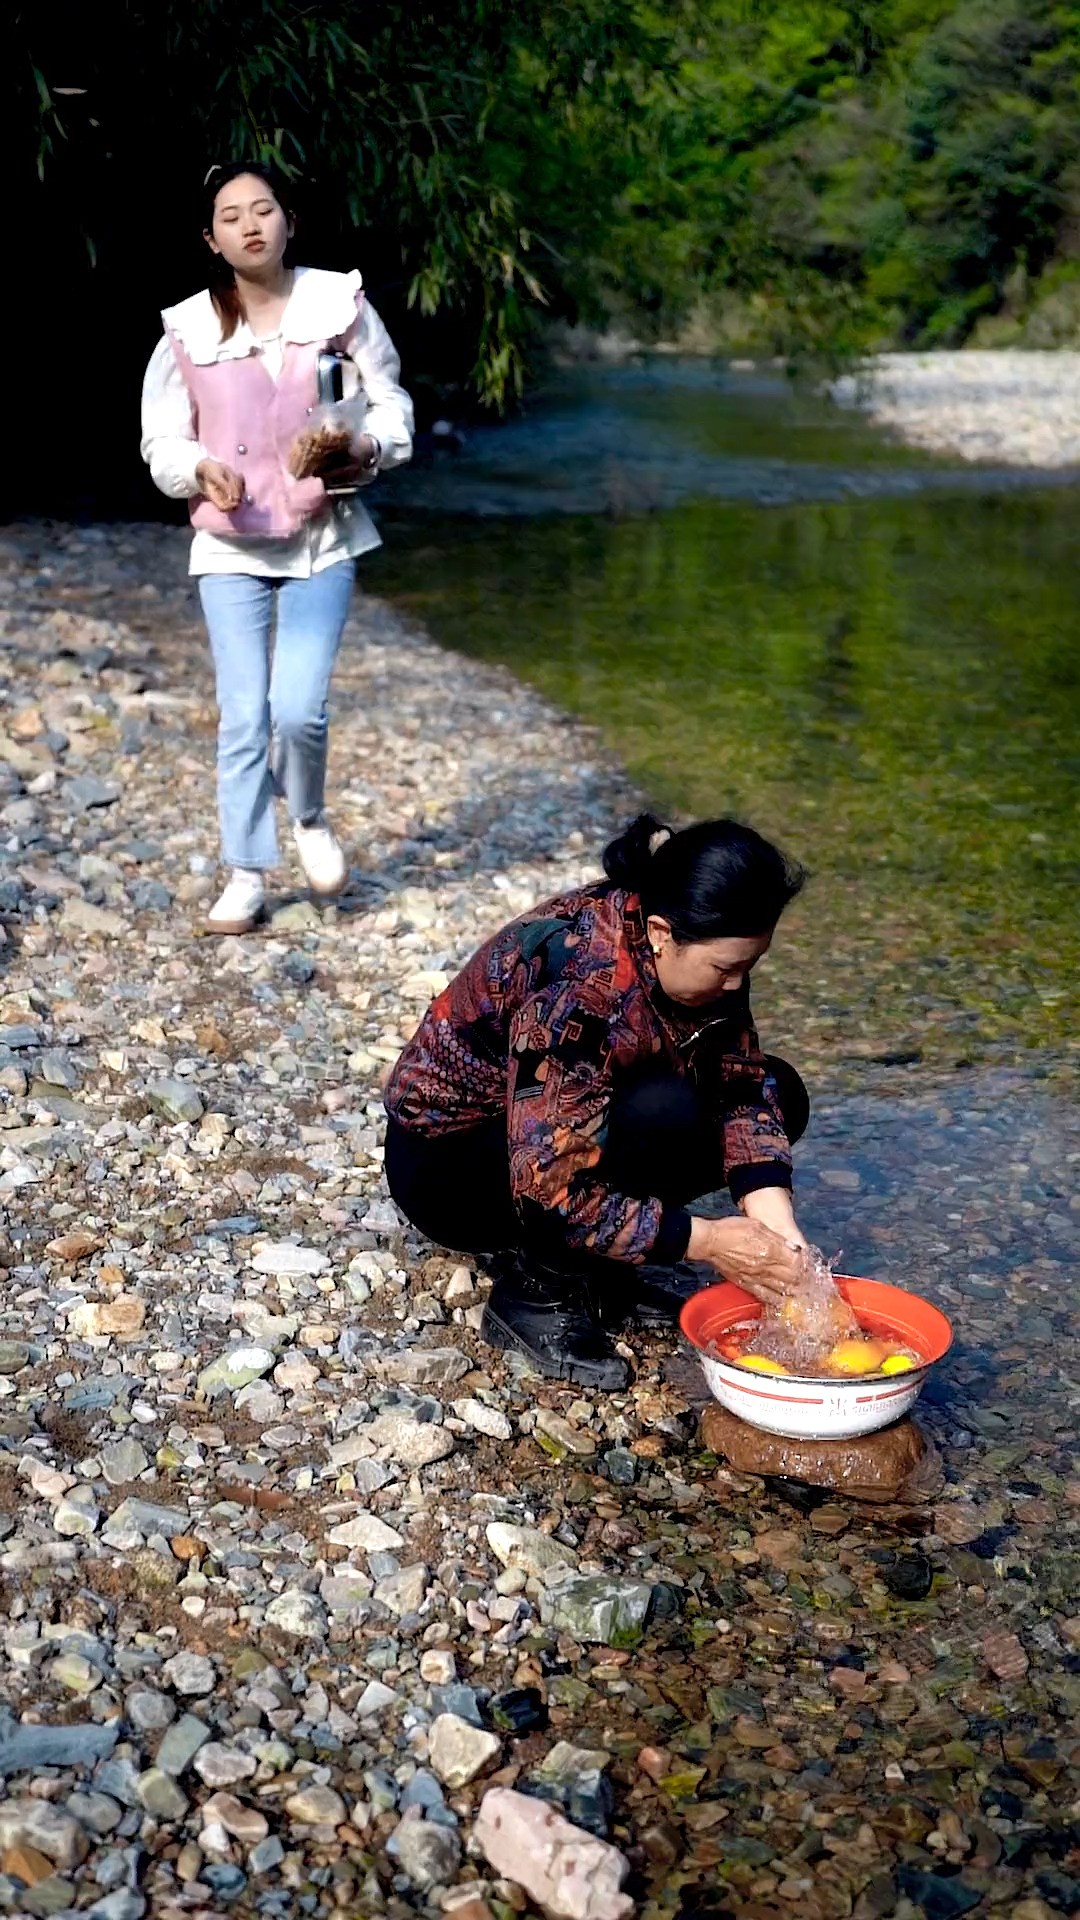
pixel 856 1356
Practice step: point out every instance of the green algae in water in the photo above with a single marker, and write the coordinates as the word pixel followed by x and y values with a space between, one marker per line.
pixel 890 687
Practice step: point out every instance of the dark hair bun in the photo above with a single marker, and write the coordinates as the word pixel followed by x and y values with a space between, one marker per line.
pixel 713 880
pixel 626 860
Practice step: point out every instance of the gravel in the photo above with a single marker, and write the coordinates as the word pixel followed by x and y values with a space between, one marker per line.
pixel 310 1602
pixel 1016 408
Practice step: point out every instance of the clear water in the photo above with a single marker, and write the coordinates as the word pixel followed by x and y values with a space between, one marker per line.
pixel 768 608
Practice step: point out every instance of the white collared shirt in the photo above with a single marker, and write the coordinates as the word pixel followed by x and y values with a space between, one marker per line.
pixel 322 306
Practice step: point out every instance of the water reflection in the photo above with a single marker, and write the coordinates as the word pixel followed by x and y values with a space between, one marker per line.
pixel 889 684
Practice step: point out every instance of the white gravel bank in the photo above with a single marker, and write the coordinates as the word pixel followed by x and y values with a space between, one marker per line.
pixel 1019 408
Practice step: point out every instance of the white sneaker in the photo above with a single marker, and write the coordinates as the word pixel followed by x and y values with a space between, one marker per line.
pixel 241 906
pixel 321 858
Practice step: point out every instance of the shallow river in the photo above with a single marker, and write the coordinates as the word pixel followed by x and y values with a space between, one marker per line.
pixel 765 606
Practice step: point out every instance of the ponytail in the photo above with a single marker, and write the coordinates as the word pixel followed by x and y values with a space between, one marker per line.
pixel 716 880
pixel 627 859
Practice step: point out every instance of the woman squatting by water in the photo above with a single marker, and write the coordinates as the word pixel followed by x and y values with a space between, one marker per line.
pixel 229 423
pixel 592 1070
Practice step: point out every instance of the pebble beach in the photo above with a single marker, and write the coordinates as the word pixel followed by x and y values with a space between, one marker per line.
pixel 1010 408
pixel 310 1604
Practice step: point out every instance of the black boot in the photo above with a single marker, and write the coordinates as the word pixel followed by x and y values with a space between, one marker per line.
pixel 657 1295
pixel 549 1315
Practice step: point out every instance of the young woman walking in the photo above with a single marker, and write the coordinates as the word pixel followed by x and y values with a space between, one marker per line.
pixel 230 423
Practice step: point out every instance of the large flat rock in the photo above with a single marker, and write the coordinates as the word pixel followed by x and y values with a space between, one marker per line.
pixel 899 1463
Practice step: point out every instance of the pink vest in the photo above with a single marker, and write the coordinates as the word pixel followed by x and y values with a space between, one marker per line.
pixel 248 420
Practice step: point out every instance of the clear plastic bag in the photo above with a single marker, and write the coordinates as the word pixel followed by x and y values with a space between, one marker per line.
pixel 328 438
pixel 324 449
pixel 802 1330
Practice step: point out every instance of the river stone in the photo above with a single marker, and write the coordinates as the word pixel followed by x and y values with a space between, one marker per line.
pixel 190 1673
pixel 160 1795
pixel 81 916
pixel 36 1823
pixel 242 1822
pixel 300 1614
pixel 144 1518
pixel 222 1766
pixel 428 1855
pixel 75 1673
pixel 87 790
pixel 224 1879
pixel 528 1548
pixel 898 1463
pixel 284 1257
pixel 180 1743
pixel 484 1419
pixel 404 1592
pixel 25 1864
pixel 174 1099
pixel 26 1749
pixel 122 1904
pixel 367 1532
pixel 459 1751
pixel 342 1592
pixel 98 1391
pixel 565 1871
pixel 148 1710
pixel 267 1855
pixel 374 1700
pixel 77 1513
pixel 603 1609
pixel 97 1811
pixel 235 1368
pixel 14 1355
pixel 559 1437
pixel 121 1461
pixel 19 1036
pixel 316 1807
pixel 424 1366
pixel 94 1319
pixel 411 1442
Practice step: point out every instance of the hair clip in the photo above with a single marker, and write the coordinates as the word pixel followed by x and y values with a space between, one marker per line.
pixel 210 172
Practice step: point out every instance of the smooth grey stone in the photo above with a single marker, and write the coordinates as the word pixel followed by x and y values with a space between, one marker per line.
pixel 27 1749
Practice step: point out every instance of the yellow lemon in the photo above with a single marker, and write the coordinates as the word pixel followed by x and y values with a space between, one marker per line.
pixel 760 1363
pixel 855 1356
pixel 898 1363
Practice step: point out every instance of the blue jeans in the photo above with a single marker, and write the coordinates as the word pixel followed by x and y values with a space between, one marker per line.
pixel 272 708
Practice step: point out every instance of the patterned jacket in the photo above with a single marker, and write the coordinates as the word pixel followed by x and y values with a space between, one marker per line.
pixel 541 1024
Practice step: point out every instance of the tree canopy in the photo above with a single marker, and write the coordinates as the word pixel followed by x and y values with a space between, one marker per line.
pixel 823 174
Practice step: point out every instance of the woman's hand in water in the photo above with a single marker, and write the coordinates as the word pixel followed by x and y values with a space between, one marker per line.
pixel 749 1253
pixel 223 488
pixel 771 1207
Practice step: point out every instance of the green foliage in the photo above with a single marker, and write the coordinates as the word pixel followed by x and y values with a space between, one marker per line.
pixel 836 173
pixel 477 147
pixel 861 172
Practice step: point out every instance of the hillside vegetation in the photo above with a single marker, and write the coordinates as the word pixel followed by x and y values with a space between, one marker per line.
pixel 810 175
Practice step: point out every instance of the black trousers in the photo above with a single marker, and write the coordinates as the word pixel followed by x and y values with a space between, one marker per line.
pixel 455 1187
